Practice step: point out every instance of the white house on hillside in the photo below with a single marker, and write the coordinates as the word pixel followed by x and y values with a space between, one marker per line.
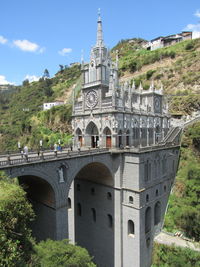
pixel 47 106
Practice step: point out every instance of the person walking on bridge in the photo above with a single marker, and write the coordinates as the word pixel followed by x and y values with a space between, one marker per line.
pixel 26 152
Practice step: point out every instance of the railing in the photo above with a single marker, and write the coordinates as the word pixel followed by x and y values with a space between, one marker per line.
pixel 17 159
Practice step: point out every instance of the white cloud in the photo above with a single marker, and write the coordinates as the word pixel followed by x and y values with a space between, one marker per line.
pixel 26 45
pixel 65 51
pixel 3 80
pixel 192 27
pixel 3 40
pixel 197 13
pixel 31 78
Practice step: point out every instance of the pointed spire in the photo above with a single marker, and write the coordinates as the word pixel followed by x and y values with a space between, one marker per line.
pixel 99 31
pixel 161 88
pixel 133 85
pixel 117 58
pixel 140 87
pixel 151 87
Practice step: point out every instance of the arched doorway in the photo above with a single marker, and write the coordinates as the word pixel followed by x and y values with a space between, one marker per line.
pixel 107 137
pixel 42 197
pixel 92 135
pixel 79 136
pixel 94 215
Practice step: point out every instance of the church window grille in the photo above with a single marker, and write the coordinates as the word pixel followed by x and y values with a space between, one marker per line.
pixel 147 197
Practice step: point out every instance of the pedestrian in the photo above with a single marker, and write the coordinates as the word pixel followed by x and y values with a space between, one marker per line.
pixel 97 143
pixel 79 146
pixel 26 152
pixel 71 146
pixel 38 152
pixel 55 149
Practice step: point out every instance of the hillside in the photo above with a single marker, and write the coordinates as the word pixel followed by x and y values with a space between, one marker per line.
pixel 177 67
pixel 22 118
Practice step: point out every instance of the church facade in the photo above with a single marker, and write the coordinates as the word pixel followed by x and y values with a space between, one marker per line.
pixel 108 114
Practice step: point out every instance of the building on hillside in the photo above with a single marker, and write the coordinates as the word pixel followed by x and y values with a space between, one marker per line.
pixel 116 214
pixel 49 105
pixel 162 41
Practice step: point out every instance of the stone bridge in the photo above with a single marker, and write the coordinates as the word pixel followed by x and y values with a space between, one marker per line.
pixel 117 197
pixel 47 179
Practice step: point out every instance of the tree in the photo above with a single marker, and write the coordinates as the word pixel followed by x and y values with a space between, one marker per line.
pixel 15 213
pixel 25 82
pixel 61 68
pixel 51 253
pixel 46 73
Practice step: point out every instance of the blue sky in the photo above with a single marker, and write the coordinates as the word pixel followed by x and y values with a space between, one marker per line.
pixel 33 33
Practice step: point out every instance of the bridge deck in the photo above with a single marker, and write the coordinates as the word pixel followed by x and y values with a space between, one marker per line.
pixel 16 159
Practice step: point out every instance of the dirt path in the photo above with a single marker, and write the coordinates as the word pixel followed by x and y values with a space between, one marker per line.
pixel 166 239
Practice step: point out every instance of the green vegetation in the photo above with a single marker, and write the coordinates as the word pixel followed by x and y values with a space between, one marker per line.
pixel 61 254
pixel 171 256
pixel 18 248
pixel 184 205
pixel 15 214
pixel 21 116
pixel 177 66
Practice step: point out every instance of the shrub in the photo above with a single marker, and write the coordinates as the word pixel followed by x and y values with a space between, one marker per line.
pixel 15 214
pixel 51 253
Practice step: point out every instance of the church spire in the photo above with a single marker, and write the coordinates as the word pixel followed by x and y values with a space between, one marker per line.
pixel 99 31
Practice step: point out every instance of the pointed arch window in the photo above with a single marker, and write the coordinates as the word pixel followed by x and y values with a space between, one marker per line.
pixel 148 220
pixel 93 214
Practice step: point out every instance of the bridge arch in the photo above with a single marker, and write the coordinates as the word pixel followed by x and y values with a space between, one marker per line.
pixel 89 191
pixel 46 197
